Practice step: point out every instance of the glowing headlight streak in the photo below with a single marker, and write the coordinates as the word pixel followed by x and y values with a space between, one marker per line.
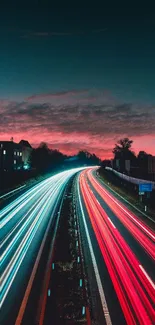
pixel 24 202
pixel 47 189
pixel 6 238
pixel 12 268
pixel 29 192
pixel 13 191
pixel 22 197
pixel 45 195
pixel 132 286
pixel 26 224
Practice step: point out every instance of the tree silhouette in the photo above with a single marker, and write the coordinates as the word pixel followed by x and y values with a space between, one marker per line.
pixel 87 158
pixel 40 157
pixel 57 157
pixel 44 159
pixel 122 151
pixel 122 147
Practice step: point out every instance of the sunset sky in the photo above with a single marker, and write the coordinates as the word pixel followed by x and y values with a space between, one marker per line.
pixel 78 76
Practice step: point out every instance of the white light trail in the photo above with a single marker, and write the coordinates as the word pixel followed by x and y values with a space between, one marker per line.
pixel 97 275
pixel 21 228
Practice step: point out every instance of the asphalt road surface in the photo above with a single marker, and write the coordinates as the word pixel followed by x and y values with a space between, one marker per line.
pixel 119 250
pixel 24 222
pixel 122 254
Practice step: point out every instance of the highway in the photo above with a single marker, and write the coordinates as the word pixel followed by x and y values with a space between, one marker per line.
pixel 118 248
pixel 121 248
pixel 24 224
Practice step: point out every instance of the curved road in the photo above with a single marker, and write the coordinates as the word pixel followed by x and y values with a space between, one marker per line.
pixel 23 225
pixel 122 250
pixel 119 249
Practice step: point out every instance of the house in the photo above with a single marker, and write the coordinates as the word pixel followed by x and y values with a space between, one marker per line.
pixel 10 156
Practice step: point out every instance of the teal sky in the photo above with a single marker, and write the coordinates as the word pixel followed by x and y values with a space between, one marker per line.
pixel 104 47
pixel 47 48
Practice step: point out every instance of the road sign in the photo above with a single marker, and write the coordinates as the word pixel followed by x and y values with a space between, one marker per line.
pixel 141 193
pixel 145 187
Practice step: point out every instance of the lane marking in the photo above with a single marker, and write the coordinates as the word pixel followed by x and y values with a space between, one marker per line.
pixel 35 209
pixel 40 186
pixel 97 201
pixel 30 283
pixel 120 265
pixel 43 296
pixel 31 233
pixel 17 224
pixel 98 279
pixel 126 200
pixel 132 217
pixel 23 197
pixel 14 264
pixel 111 223
pixel 147 276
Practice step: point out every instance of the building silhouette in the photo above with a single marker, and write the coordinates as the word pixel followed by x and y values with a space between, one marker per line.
pixel 10 156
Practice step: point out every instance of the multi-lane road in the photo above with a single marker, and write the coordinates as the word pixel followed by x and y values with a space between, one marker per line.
pixel 24 225
pixel 120 243
pixel 119 249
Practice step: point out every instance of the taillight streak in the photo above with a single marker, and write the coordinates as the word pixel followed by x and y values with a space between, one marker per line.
pixel 139 230
pixel 128 278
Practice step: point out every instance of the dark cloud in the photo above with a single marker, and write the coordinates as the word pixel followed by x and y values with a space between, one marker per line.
pixel 56 95
pixel 100 120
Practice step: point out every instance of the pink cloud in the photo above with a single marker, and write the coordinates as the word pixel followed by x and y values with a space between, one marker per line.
pixel 144 143
pixel 76 120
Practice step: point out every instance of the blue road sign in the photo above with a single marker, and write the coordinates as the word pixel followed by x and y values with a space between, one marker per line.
pixel 146 187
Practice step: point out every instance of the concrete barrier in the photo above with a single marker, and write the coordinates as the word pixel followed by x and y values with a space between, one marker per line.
pixel 130 179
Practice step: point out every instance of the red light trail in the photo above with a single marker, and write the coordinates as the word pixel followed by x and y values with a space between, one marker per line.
pixel 134 287
pixel 143 234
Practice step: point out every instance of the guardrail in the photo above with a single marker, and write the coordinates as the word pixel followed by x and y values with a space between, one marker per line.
pixel 14 190
pixel 130 179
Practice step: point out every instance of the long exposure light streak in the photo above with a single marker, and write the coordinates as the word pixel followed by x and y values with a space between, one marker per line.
pixel 98 279
pixel 142 233
pixel 43 202
pixel 22 220
pixel 134 287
